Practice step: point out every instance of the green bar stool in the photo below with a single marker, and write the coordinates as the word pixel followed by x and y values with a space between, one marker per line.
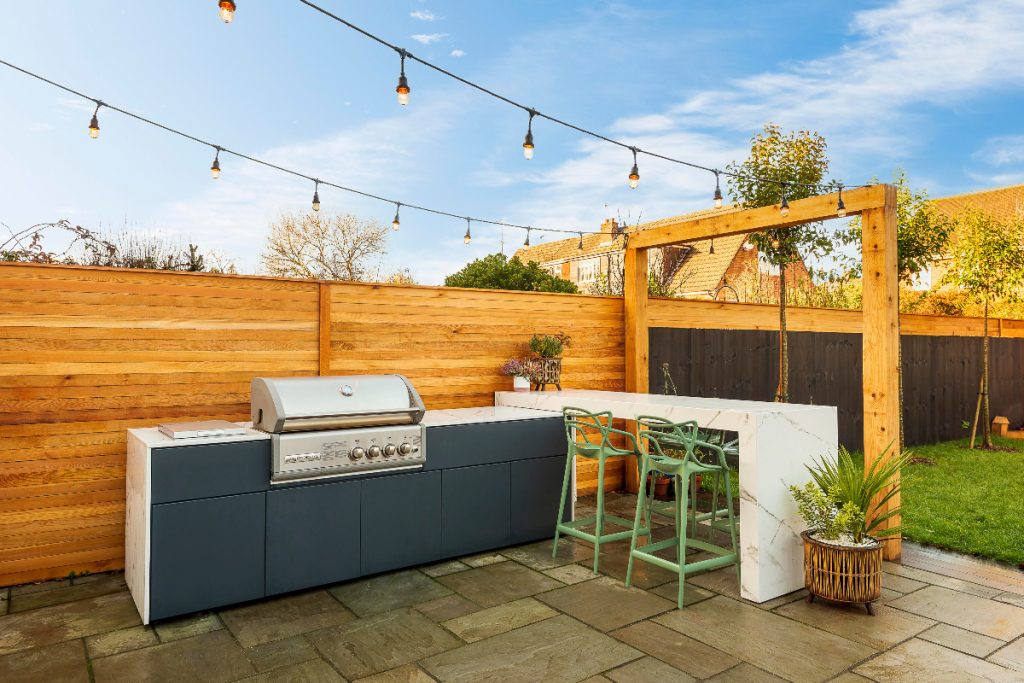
pixel 588 435
pixel 683 439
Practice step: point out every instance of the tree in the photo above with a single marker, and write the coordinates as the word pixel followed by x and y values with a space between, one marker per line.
pixel 325 246
pixel 400 277
pixel 497 271
pixel 796 162
pixel 987 264
pixel 664 278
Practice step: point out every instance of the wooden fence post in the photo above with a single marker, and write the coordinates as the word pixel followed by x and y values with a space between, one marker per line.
pixel 634 295
pixel 324 328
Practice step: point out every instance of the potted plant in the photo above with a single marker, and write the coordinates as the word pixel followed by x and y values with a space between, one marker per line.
pixel 546 366
pixel 844 508
pixel 519 373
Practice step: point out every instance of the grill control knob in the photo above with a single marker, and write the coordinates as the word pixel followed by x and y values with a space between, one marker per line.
pixel 357 453
pixel 373 451
pixel 405 448
pixel 390 450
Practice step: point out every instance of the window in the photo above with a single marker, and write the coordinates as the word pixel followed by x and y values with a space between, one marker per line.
pixel 588 270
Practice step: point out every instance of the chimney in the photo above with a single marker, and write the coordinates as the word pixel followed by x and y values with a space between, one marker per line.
pixel 610 227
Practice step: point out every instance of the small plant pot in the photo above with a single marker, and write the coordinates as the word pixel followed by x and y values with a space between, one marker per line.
pixel 520 384
pixel 842 573
pixel 661 488
pixel 546 371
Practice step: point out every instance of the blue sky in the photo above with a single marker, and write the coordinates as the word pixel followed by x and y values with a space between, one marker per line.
pixel 933 86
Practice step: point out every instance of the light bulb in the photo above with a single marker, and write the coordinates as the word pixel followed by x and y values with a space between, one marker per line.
pixel 841 206
pixel 215 166
pixel 634 177
pixel 718 193
pixel 776 243
pixel 784 206
pixel 712 249
pixel 403 90
pixel 718 202
pixel 527 242
pixel 396 224
pixel 528 147
pixel 316 200
pixel 467 238
pixel 227 10
pixel 94 127
pixel 580 245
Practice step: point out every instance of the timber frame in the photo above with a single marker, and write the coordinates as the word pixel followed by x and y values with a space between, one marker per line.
pixel 876 205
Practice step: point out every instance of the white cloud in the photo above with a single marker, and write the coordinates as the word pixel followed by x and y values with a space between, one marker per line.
pixel 1002 150
pixel 429 38
pixel 40 127
pixel 424 15
pixel 457 53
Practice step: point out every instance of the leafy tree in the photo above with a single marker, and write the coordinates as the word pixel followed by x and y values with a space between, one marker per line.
pixel 497 271
pixel 800 160
pixel 325 246
pixel 987 264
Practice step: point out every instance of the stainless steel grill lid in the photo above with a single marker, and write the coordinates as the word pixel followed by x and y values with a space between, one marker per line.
pixel 294 404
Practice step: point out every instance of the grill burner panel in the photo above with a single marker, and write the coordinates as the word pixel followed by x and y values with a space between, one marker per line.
pixel 308 455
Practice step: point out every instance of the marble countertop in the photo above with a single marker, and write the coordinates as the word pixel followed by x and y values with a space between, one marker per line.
pixel 461 416
pixel 566 396
pixel 154 438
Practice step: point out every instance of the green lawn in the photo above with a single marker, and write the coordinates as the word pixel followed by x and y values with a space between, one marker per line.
pixel 969 501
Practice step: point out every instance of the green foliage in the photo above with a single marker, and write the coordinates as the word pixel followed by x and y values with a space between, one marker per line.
pixel 922 232
pixel 549 345
pixel 825 513
pixel 988 257
pixel 497 271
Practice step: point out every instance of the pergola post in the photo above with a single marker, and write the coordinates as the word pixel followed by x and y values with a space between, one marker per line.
pixel 634 293
pixel 881 340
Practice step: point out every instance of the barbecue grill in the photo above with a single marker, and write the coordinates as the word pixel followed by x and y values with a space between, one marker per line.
pixel 339 426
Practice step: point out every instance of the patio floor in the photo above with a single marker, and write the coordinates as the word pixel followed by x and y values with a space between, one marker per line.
pixel 518 615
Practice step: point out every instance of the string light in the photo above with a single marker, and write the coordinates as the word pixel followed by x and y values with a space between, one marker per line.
pixel 528 140
pixel 395 224
pixel 634 173
pixel 840 205
pixel 403 82
pixel 580 245
pixel 227 10
pixel 316 195
pixel 712 249
pixel 718 196
pixel 94 124
pixel 527 242
pixel 215 166
pixel 776 243
pixel 467 238
pixel 784 206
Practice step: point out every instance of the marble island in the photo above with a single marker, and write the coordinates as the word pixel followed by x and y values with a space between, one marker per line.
pixel 776 441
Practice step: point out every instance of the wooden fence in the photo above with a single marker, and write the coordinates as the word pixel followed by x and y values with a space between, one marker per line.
pixel 86 353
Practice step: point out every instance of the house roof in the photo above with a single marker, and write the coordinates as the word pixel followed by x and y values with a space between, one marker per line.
pixel 1002 202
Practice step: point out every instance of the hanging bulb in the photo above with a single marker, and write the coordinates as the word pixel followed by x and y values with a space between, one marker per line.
pixel 634 174
pixel 215 166
pixel 467 238
pixel 784 206
pixel 527 242
pixel 712 249
pixel 580 245
pixel 776 243
pixel 403 83
pixel 395 224
pixel 227 10
pixel 718 199
pixel 316 195
pixel 840 206
pixel 528 140
pixel 94 124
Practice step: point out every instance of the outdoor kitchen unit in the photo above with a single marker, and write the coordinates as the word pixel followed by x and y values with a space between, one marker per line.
pixel 339 426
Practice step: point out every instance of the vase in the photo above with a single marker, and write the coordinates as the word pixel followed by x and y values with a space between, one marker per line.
pixel 842 573
pixel 520 384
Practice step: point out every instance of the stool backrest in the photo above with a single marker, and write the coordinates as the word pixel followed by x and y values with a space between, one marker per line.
pixel 658 434
pixel 594 428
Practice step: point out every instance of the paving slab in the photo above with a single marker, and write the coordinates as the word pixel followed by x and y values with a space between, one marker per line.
pixel 48 625
pixel 374 644
pixel 86 587
pixel 281 653
pixel 939 580
pixel 495 584
pixel 968 642
pixel 122 640
pixel 484 559
pixel 570 573
pixel 901 584
pixel 212 657
pixel 64 662
pixel 388 591
pixel 970 612
pixel 649 670
pixel 448 607
pixel 745 673
pixel 692 595
pixel 615 561
pixel 605 603
pixel 724 582
pixel 1011 598
pixel 498 619
pixel 673 648
pixel 538 555
pixel 313 671
pixel 886 628
pixel 1011 656
pixel 765 639
pixel 410 673
pixel 558 650
pixel 917 660
pixel 188 626
pixel 280 618
pixel 442 568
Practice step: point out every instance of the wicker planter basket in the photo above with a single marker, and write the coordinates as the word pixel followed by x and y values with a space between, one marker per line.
pixel 545 371
pixel 841 573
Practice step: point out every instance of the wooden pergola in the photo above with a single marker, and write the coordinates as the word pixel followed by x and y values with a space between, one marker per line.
pixel 876 206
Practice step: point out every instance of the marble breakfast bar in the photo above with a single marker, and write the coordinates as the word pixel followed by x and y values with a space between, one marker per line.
pixel 776 441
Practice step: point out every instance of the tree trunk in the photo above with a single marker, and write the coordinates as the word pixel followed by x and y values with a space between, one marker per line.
pixel 986 428
pixel 782 393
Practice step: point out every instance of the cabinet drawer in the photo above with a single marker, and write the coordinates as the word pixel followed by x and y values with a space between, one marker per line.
pixel 210 470
pixel 490 442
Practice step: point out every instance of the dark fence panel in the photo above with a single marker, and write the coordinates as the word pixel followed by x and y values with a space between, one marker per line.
pixel 940 375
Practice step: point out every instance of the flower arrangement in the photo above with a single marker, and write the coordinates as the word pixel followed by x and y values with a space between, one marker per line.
pixel 550 345
pixel 514 367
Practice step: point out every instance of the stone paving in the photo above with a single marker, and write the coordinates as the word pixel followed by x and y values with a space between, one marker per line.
pixel 519 615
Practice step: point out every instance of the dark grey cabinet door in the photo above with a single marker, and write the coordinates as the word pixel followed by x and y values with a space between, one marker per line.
pixel 475 510
pixel 312 536
pixel 400 521
pixel 490 442
pixel 206 553
pixel 210 470
pixel 536 487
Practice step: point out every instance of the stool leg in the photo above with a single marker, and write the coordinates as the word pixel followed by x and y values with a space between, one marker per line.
pixel 732 521
pixel 682 506
pixel 561 505
pixel 641 508
pixel 599 522
pixel 716 488
pixel 693 503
